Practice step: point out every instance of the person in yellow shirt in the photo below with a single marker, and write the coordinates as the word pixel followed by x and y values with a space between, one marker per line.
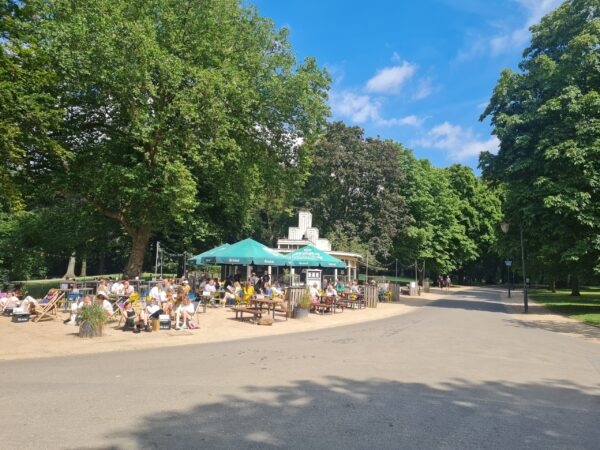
pixel 248 291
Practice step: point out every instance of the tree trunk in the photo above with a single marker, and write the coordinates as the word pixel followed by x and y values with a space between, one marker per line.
pixel 83 268
pixel 575 286
pixel 101 263
pixel 71 267
pixel 553 285
pixel 139 243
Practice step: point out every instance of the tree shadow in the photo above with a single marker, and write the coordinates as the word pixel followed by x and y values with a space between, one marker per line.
pixel 470 300
pixel 576 328
pixel 345 413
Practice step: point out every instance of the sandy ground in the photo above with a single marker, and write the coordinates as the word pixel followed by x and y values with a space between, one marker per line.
pixel 51 338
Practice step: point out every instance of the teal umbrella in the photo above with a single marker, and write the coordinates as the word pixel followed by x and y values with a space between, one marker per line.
pixel 247 252
pixel 201 258
pixel 310 256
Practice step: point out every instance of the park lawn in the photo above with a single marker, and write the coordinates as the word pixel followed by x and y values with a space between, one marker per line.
pixel 585 308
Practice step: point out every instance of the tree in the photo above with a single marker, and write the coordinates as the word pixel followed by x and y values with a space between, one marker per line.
pixel 547 117
pixel 28 113
pixel 173 108
pixel 354 189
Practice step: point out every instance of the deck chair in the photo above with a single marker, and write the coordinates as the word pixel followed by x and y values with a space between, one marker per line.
pixel 48 305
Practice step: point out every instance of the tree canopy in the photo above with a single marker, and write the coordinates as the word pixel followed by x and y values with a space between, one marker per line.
pixel 547 117
pixel 170 108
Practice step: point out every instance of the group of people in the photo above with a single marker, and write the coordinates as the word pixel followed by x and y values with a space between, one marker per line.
pixel 332 290
pixel 444 282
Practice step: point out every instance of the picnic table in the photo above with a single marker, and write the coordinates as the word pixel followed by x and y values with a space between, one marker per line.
pixel 271 304
pixel 351 300
pixel 326 303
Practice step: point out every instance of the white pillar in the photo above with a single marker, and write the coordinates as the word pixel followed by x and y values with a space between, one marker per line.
pixel 248 272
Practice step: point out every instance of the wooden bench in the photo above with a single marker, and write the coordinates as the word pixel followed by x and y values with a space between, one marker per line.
pixel 240 310
pixel 322 307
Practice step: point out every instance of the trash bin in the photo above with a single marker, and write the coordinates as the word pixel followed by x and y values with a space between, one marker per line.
pixel 426 286
pixel 413 288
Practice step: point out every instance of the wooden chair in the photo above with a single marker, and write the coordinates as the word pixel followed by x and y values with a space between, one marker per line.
pixel 48 305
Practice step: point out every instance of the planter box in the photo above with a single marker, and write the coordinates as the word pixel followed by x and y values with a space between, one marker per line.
pixel 301 313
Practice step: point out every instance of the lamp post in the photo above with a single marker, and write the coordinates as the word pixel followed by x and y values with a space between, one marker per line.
pixel 505 227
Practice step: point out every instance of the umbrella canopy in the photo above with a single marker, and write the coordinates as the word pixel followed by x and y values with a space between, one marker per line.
pixel 200 259
pixel 310 256
pixel 247 252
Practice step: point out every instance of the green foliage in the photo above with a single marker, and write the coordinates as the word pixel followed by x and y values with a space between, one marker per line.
pixel 547 117
pixel 354 190
pixel 94 315
pixel 174 111
pixel 304 301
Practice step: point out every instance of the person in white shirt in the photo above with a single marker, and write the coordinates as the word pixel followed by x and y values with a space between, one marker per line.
pixel 314 293
pixel 155 292
pixel 76 309
pixel 11 301
pixel 117 288
pixel 277 292
pixel 185 312
pixel 102 300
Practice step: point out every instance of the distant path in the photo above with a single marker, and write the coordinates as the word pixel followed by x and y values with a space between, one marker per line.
pixel 461 372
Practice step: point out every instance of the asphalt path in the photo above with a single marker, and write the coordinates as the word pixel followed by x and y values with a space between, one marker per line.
pixel 456 373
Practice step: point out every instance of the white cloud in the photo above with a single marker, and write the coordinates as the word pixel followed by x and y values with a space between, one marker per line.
pixel 424 89
pixel 362 108
pixel 509 39
pixel 390 80
pixel 459 143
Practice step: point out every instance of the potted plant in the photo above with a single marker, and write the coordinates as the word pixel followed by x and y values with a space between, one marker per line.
pixel 302 308
pixel 92 321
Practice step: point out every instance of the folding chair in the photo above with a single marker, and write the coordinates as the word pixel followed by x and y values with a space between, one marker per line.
pixel 48 305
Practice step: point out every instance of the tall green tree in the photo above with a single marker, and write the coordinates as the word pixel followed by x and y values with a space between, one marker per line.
pixel 354 189
pixel 29 114
pixel 547 117
pixel 174 108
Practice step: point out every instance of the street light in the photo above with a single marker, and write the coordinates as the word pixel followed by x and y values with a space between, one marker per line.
pixel 505 227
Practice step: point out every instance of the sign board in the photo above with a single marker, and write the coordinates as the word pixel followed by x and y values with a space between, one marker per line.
pixel 508 262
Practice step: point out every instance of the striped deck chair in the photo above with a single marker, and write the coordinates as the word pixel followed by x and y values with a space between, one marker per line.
pixel 48 305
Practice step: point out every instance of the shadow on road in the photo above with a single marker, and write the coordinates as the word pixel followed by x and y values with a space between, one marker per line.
pixel 487 300
pixel 575 328
pixel 346 413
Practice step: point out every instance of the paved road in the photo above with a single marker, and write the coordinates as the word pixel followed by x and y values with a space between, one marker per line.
pixel 456 373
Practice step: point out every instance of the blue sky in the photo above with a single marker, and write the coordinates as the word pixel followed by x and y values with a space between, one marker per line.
pixel 418 72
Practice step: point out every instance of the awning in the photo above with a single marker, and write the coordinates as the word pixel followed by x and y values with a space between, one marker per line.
pixel 247 252
pixel 310 256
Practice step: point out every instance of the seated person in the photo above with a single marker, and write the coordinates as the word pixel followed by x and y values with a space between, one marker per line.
pixel 128 289
pixel 276 288
pixel 230 293
pixel 152 312
pixel 117 288
pixel 339 286
pixel 267 289
pixel 131 324
pixel 354 287
pixel 102 300
pixel 76 309
pixel 248 291
pixel 103 287
pixel 314 294
pixel 10 301
pixel 184 312
pixel 167 303
pixel 330 291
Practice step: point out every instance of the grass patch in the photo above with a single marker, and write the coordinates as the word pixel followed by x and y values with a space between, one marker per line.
pixel 585 308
